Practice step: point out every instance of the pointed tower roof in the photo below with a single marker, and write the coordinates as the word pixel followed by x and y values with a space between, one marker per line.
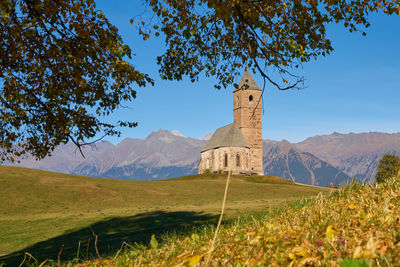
pixel 226 136
pixel 247 82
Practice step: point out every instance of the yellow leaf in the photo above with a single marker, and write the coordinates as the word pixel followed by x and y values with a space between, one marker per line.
pixel 300 252
pixel 352 206
pixel 331 232
pixel 195 260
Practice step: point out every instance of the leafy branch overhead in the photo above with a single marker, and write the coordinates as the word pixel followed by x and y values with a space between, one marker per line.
pixel 62 67
pixel 220 37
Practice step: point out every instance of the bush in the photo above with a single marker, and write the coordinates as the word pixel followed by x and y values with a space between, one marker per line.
pixel 388 166
pixel 335 186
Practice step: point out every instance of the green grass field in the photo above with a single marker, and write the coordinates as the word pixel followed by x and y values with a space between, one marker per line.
pixel 41 211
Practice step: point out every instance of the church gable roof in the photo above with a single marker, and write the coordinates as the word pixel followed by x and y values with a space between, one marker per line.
pixel 247 82
pixel 226 136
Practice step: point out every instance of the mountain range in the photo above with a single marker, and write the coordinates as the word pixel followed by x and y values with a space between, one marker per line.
pixel 355 154
pixel 318 160
pixel 286 160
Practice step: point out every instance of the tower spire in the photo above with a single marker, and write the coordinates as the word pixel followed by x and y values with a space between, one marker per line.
pixel 247 82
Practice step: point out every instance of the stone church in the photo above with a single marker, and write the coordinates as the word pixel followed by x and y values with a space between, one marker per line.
pixel 237 147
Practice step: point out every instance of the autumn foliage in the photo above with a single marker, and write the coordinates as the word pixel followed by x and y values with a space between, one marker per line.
pixel 219 38
pixel 388 167
pixel 62 67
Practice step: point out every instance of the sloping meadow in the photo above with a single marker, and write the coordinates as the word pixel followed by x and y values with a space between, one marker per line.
pixel 357 225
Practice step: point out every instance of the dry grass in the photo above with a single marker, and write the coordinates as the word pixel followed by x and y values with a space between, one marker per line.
pixel 358 225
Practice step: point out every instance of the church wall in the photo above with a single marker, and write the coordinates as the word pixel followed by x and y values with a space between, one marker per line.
pixel 216 165
pixel 214 159
pixel 257 161
pixel 253 136
pixel 243 109
pixel 244 154
pixel 206 161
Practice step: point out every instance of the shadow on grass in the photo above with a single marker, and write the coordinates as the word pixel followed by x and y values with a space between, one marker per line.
pixel 111 234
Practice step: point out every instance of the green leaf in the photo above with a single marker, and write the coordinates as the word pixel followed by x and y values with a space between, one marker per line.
pixel 153 242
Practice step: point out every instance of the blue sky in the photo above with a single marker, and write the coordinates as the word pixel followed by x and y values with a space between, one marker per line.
pixel 355 89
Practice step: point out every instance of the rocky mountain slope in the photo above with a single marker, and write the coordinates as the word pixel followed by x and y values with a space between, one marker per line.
pixel 355 154
pixel 286 160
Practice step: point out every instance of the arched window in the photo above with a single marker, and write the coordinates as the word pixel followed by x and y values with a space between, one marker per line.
pixel 251 100
pixel 226 160
pixel 237 160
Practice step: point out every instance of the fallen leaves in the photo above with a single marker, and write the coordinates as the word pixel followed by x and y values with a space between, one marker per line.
pixel 195 260
pixel 335 230
pixel 331 233
pixel 368 251
pixel 297 252
pixel 352 206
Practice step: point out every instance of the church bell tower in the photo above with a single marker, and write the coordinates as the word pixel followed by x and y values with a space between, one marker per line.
pixel 247 115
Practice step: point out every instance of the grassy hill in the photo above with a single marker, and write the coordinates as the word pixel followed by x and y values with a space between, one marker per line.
pixel 41 211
